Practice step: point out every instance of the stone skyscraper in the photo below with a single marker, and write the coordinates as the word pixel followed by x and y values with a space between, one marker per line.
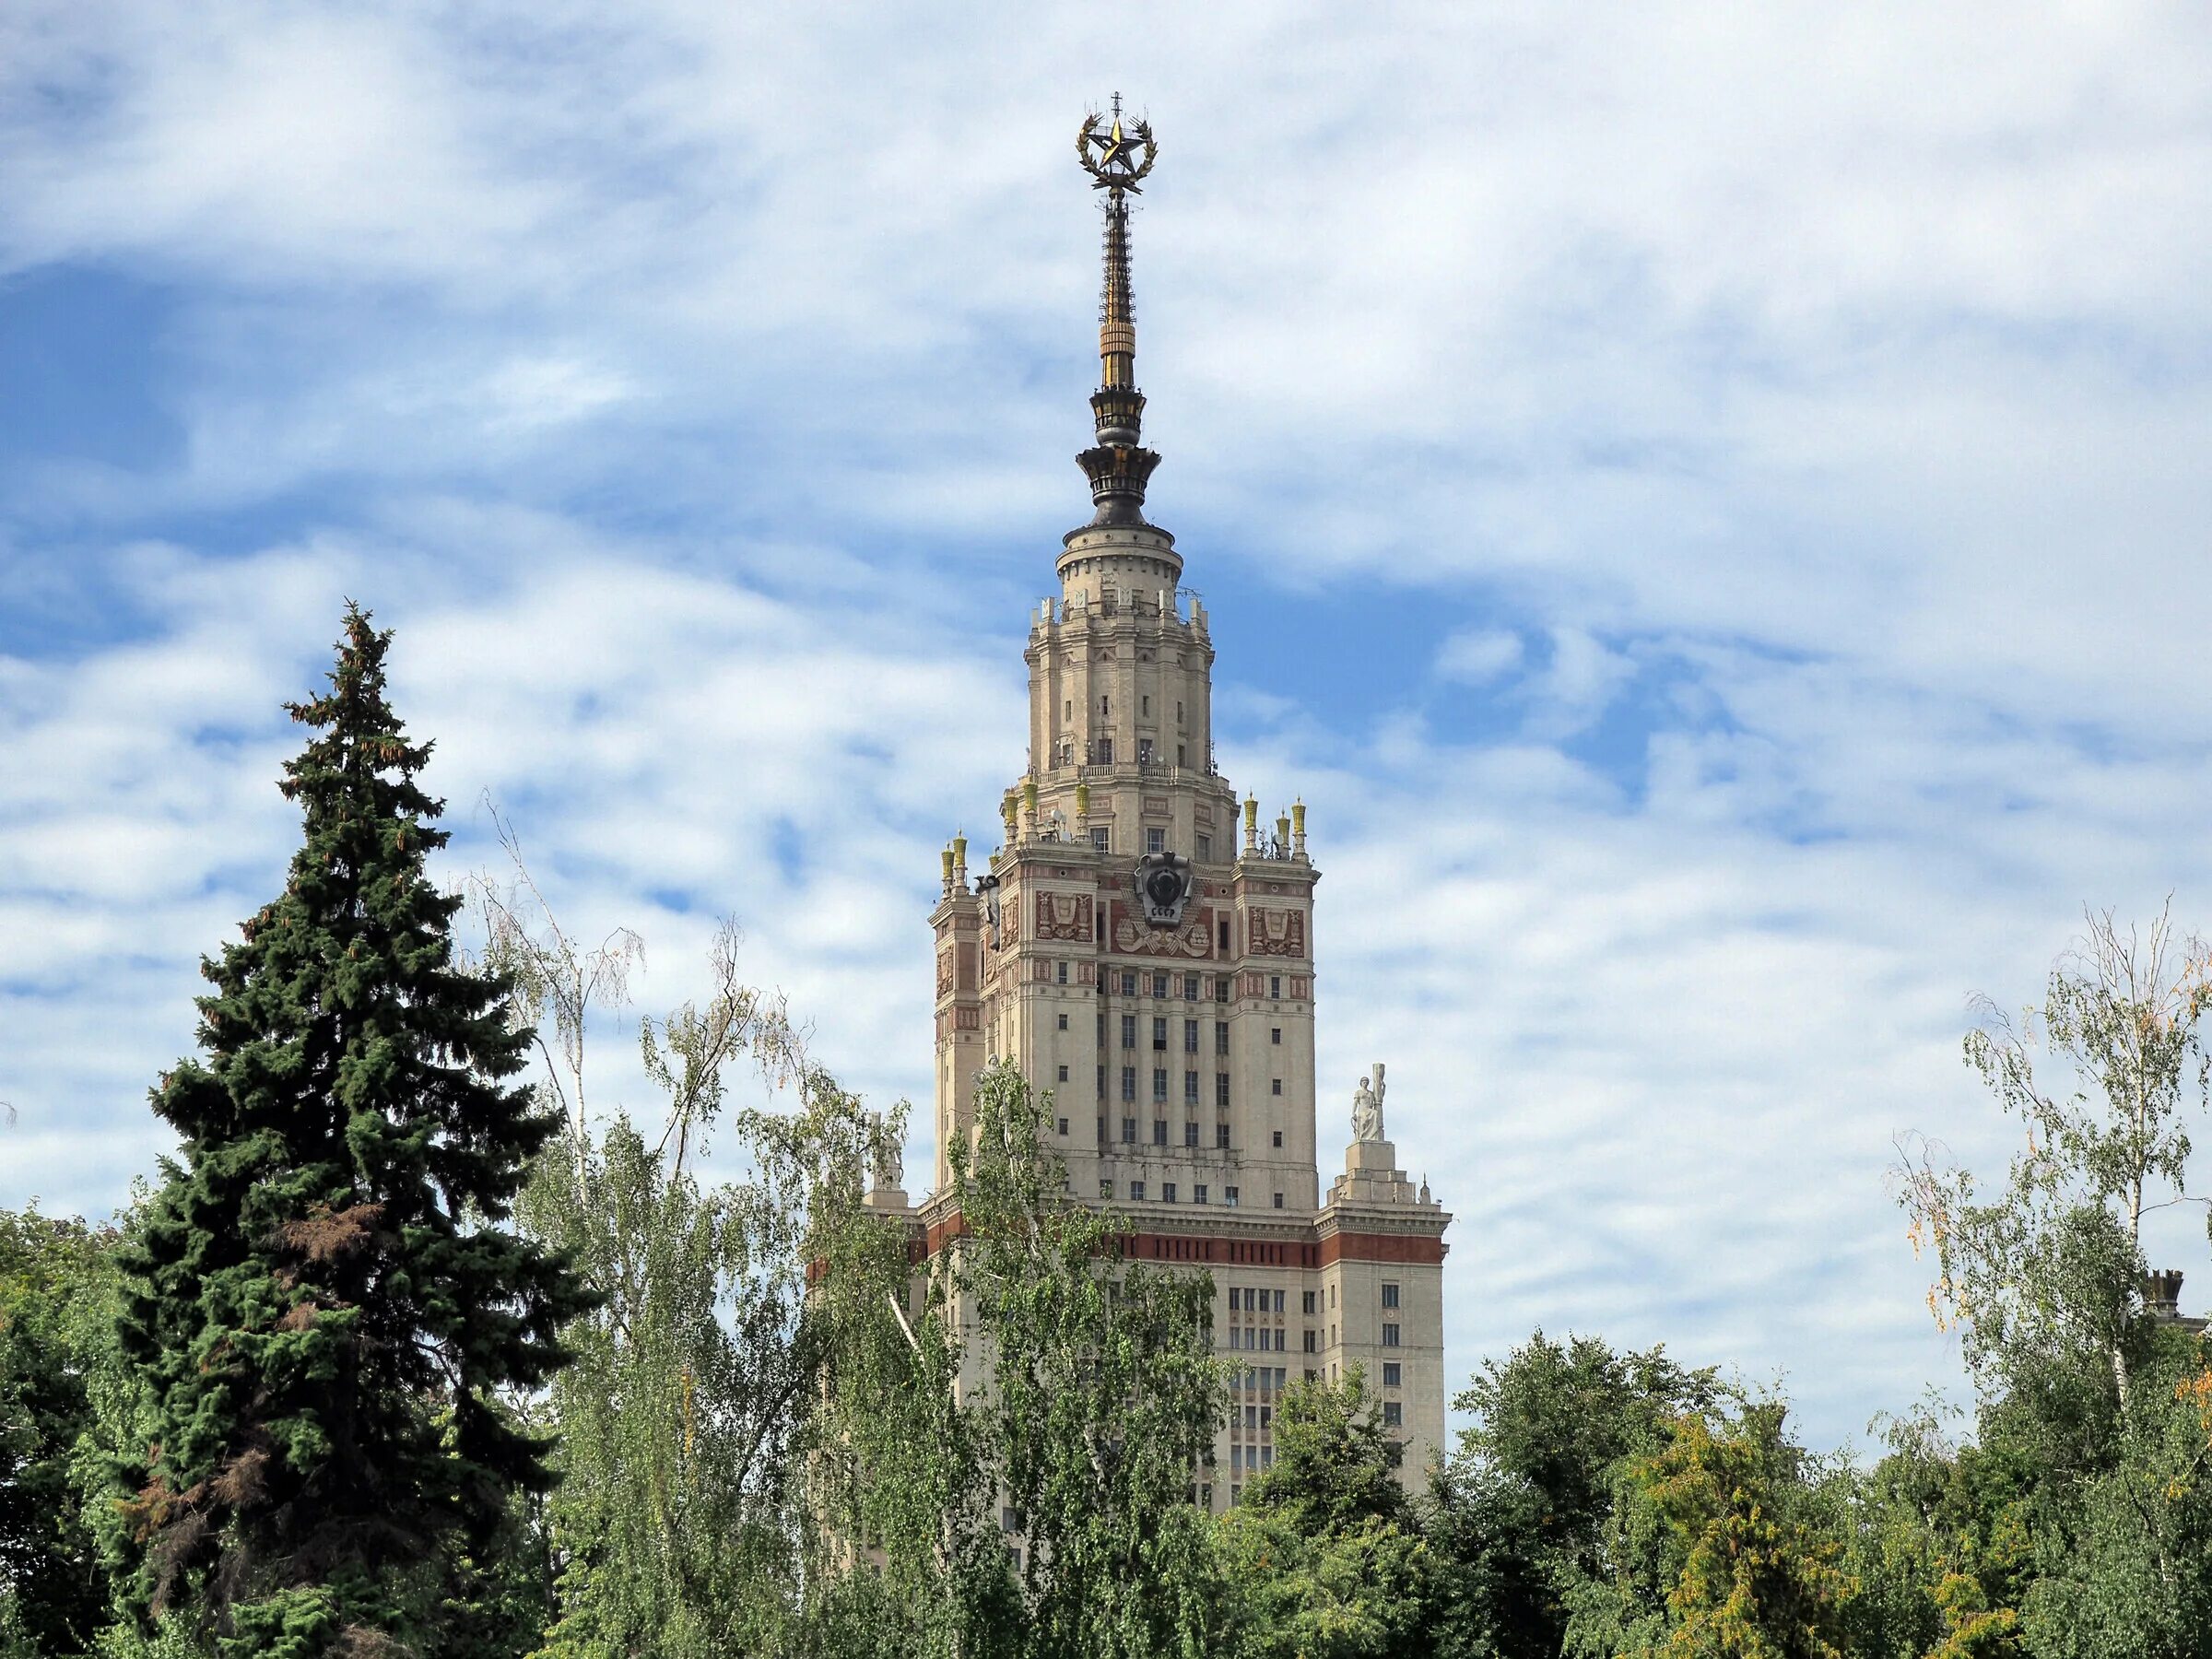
pixel 1146 951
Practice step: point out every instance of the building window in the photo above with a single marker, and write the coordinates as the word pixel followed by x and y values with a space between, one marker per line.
pixel 1190 1036
pixel 1190 1135
pixel 1221 985
pixel 1390 1374
pixel 1064 1022
pixel 1225 947
pixel 1129 986
pixel 1390 1335
pixel 1063 1125
pixel 1101 1128
pixel 1160 985
pixel 1221 1137
pixel 1063 1073
pixel 1159 1132
pixel 1275 986
pixel 1390 1296
pixel 1190 1088
pixel 1198 1194
pixel 1332 1296
pixel 1156 838
pixel 1101 840
pixel 1128 1030
pixel 1128 1082
pixel 1190 987
pixel 1276 1086
pixel 1221 1036
pixel 1159 1082
pixel 1279 1137
pixel 1136 1191
pixel 1061 976
pixel 1159 1034
pixel 1394 1414
pixel 1129 1129
pixel 1206 843
pixel 1105 749
pixel 1228 1197
pixel 1167 1192
pixel 1275 1035
pixel 1305 1304
pixel 1144 707
pixel 1101 1082
pixel 1312 1340
pixel 1221 1088
pixel 1278 1201
pixel 1182 759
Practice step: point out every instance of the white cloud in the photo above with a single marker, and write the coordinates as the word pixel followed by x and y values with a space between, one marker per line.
pixel 1478 656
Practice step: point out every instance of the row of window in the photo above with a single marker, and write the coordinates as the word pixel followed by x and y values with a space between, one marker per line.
pixel 1159 1085
pixel 1160 1133
pixel 1156 838
pixel 1159 1033
pixel 1068 704
pixel 1170 1193
pixel 1163 987
pixel 1268 1341
pixel 1245 1299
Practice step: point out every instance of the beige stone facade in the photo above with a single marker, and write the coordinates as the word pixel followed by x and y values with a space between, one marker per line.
pixel 1179 1055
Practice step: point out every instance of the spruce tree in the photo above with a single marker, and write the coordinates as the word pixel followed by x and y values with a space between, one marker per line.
pixel 326 1301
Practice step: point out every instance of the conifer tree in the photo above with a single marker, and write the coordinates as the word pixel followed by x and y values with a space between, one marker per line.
pixel 326 1301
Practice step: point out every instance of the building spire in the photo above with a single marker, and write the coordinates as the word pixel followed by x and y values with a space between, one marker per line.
pixel 1117 156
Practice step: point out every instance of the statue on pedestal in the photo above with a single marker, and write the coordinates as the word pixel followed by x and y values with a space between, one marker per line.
pixel 888 1161
pixel 1367 1106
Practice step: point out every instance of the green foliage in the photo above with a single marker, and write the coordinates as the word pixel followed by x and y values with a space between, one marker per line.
pixel 1049 1375
pixel 2051 1264
pixel 322 1305
pixel 2102 1545
pixel 1325 1554
pixel 1746 1574
pixel 1523 1510
pixel 1102 1395
pixel 686 1411
pixel 56 1305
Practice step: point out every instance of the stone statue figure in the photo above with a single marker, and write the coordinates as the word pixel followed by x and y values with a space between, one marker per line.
pixel 1367 1106
pixel 889 1161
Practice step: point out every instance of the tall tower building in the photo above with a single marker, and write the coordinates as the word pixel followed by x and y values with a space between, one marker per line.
pixel 1146 951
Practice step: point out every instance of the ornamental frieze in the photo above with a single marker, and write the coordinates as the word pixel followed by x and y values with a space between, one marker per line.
pixel 1064 916
pixel 1276 932
pixel 1133 936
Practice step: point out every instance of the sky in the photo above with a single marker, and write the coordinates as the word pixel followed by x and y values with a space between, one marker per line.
pixel 1705 502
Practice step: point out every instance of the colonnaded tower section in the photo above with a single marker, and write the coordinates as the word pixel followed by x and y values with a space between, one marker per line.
pixel 1143 947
